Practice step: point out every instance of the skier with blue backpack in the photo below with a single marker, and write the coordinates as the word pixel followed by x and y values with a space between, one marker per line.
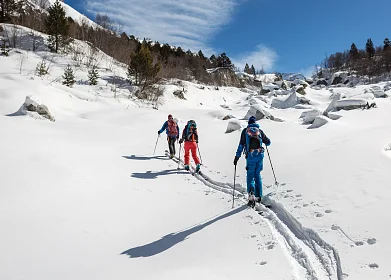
pixel 251 140
pixel 172 131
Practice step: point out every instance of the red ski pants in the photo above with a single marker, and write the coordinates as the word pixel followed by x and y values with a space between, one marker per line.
pixel 191 146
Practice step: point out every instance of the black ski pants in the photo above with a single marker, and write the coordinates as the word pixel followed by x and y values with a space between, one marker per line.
pixel 171 144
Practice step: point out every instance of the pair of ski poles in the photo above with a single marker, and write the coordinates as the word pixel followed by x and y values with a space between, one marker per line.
pixel 180 148
pixel 275 180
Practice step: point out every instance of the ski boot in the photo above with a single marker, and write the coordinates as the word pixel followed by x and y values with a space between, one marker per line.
pixel 187 167
pixel 198 168
pixel 251 200
pixel 171 156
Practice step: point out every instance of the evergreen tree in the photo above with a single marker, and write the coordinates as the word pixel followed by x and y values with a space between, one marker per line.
pixel 252 70
pixel 369 48
pixel 353 53
pixel 42 69
pixel 69 77
pixel 201 55
pixel 387 44
pixel 93 76
pixel 224 61
pixel 4 49
pixel 141 67
pixel 213 60
pixel 7 9
pixel 246 69
pixel 56 25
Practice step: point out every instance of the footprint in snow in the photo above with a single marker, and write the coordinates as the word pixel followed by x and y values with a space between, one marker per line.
pixel 305 205
pixel 359 243
pixel 328 211
pixel 373 265
pixel 318 215
pixel 289 190
pixel 262 263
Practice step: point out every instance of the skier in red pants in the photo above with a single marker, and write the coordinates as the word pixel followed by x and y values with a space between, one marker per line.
pixel 190 137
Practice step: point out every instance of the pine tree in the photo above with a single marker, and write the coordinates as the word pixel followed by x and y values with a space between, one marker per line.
pixel 213 60
pixel 42 69
pixel 69 77
pixel 353 53
pixel 141 67
pixel 93 76
pixel 56 25
pixel 369 48
pixel 4 49
pixel 224 61
pixel 246 69
pixel 252 70
pixel 201 55
pixel 8 9
pixel 387 44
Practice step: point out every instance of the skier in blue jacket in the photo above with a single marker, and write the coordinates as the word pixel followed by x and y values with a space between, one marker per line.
pixel 251 141
pixel 172 131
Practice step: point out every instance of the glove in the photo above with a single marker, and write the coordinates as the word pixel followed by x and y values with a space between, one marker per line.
pixel 158 132
pixel 236 161
pixel 181 141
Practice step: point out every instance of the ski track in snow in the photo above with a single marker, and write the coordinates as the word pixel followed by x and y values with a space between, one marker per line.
pixel 306 248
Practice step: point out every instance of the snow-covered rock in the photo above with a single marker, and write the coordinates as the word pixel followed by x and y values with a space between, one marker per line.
pixel 309 117
pixel 291 101
pixel 333 116
pixel 318 122
pixel 341 77
pixel 259 112
pixel 354 103
pixel 285 102
pixel 378 92
pixel 335 97
pixel 233 125
pixel 34 108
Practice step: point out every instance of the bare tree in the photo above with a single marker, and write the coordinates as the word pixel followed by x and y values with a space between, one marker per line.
pixel 21 59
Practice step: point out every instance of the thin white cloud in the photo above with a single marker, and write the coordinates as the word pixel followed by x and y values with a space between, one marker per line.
pixel 189 24
pixel 308 72
pixel 262 57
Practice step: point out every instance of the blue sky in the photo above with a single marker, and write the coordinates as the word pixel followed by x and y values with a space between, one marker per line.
pixel 283 36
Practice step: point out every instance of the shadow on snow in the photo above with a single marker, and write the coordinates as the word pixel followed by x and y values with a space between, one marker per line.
pixel 170 240
pixel 153 175
pixel 134 157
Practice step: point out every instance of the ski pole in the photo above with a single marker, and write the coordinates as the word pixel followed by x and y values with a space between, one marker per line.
pixel 157 139
pixel 272 166
pixel 233 193
pixel 198 147
pixel 179 158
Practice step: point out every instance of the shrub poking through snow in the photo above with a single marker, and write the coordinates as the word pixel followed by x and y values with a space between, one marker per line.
pixel 4 49
pixel 69 77
pixel 42 69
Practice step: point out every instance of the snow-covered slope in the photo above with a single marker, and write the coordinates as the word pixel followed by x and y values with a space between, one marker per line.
pixel 84 197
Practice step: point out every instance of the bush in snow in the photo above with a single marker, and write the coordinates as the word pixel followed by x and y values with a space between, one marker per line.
pixel 4 49
pixel 93 76
pixel 42 69
pixel 69 77
pixel 179 93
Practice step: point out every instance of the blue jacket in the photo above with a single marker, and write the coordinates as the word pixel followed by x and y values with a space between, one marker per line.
pixel 165 127
pixel 245 141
